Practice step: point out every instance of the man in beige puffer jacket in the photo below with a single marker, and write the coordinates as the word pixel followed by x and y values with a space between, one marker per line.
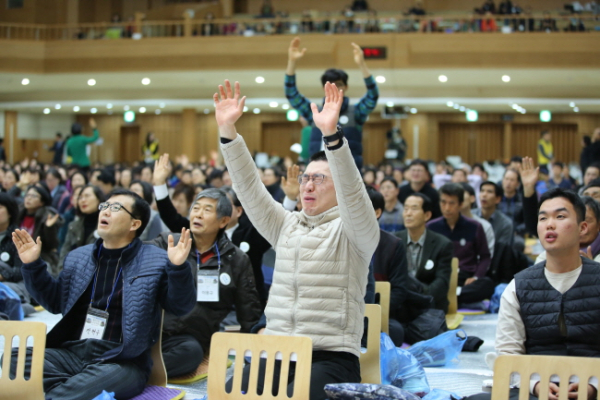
pixel 323 252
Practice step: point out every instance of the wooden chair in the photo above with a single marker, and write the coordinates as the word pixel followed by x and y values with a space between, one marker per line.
pixel 370 371
pixel 158 375
pixel 453 319
pixel 383 289
pixel 545 366
pixel 264 346
pixel 21 388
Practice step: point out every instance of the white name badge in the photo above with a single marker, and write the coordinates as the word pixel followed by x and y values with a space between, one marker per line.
pixel 208 287
pixel 95 324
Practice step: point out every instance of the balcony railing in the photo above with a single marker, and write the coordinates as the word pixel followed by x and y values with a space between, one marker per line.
pixel 399 23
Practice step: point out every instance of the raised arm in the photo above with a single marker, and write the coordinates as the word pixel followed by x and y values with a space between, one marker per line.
pixel 360 226
pixel 266 214
pixel 297 100
pixel 96 134
pixel 368 102
pixel 166 209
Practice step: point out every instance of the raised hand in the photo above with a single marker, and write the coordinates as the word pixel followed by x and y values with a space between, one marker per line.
pixel 228 109
pixel 290 186
pixel 93 124
pixel 29 251
pixel 162 170
pixel 50 221
pixel 359 55
pixel 327 119
pixel 178 254
pixel 294 51
pixel 587 254
pixel 529 176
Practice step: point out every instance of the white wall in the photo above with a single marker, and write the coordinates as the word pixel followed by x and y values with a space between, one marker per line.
pixel 41 126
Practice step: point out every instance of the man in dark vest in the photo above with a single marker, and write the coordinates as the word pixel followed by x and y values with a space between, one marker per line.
pixel 553 308
pixel 352 117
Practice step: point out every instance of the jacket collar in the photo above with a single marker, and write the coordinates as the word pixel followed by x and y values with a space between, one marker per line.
pixel 316 220
pixel 128 254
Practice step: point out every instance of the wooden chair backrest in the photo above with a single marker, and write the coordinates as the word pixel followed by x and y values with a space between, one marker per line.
pixel 284 348
pixel 384 289
pixel 452 298
pixel 545 366
pixel 370 371
pixel 158 375
pixel 31 388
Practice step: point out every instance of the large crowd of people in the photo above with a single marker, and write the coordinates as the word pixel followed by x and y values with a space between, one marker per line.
pixel 109 246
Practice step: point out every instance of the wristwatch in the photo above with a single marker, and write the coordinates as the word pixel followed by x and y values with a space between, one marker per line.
pixel 338 135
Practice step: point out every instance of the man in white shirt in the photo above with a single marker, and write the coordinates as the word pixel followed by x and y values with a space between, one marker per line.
pixel 553 308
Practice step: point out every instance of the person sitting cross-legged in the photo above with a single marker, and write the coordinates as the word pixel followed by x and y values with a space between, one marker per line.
pixel 110 294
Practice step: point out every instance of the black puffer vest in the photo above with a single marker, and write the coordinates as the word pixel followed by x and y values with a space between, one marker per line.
pixel 542 307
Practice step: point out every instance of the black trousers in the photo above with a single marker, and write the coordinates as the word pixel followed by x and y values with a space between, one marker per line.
pixel 481 289
pixel 71 372
pixel 327 367
pixel 182 354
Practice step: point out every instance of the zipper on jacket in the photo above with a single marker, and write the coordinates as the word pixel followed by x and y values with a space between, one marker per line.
pixel 297 257
pixel 131 280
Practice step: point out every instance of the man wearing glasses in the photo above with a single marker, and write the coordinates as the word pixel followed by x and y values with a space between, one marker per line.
pixel 323 252
pixel 110 294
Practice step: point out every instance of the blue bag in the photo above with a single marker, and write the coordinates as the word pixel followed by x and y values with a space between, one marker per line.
pixel 439 394
pixel 495 300
pixel 10 303
pixel 440 350
pixel 105 396
pixel 401 369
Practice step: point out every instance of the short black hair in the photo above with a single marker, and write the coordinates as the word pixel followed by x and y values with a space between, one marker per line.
pixel 593 165
pixel 461 170
pixel 147 190
pixel 427 203
pixel 318 156
pixel 98 193
pixel 187 190
pixel 497 188
pixel 332 75
pixel 468 188
pixel 569 195
pixel 593 183
pixel 76 129
pixel 542 133
pixel 215 174
pixel 141 209
pixel 79 172
pixel 59 134
pixel 453 189
pixel 593 205
pixel 232 195
pixel 54 172
pixel 45 197
pixel 518 159
pixel 107 177
pixel 558 164
pixel 12 208
pixel 391 180
pixel 14 172
pixel 376 198
pixel 418 161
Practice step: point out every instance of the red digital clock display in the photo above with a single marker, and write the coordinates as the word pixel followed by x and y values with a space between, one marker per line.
pixel 375 52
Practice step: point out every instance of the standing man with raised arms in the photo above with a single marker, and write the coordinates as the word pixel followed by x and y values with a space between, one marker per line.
pixel 323 251
pixel 351 116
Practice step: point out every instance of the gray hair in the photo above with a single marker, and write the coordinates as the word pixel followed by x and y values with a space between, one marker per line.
pixel 224 207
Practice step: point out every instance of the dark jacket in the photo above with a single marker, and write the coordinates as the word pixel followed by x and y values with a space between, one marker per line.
pixel 544 310
pixel 435 280
pixel 10 263
pixel 206 317
pixel 75 239
pixel 61 194
pixel 390 265
pixel 49 235
pixel 150 282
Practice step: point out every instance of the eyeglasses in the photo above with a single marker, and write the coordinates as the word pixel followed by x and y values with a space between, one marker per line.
pixel 33 196
pixel 316 178
pixel 115 207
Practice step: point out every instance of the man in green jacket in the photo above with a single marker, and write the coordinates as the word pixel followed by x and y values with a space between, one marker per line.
pixel 77 143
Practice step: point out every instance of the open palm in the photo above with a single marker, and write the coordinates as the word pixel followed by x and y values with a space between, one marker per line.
pixel 179 253
pixel 29 251
pixel 229 107
pixel 327 119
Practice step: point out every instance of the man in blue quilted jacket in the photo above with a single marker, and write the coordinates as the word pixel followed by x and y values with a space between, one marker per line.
pixel 110 294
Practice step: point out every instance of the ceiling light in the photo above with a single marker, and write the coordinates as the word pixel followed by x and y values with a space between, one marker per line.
pixel 94 110
pixel 206 111
pixel 285 106
pixel 25 82
pixel 126 108
pixel 46 111
pixel 462 108
pixel 91 82
pixel 292 115
pixel 505 78
pixel 256 111
pixel 273 104
pixel 572 104
pixel 576 109
pixel 142 110
pixel 413 110
pixel 245 108
pixel 157 112
pixel 515 106
pixel 449 104
pixel 109 106
pixel 146 81
pixel 443 78
pixel 76 108
pixel 472 115
pixel 162 105
pixel 259 79
pixel 456 106
pixel 380 79
pixel 57 107
pixel 545 116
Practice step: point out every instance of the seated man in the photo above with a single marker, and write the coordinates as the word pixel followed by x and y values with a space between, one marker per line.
pixel 323 252
pixel 469 202
pixel 591 172
pixel 550 308
pixel 225 281
pixel 592 189
pixel 110 294
pixel 470 245
pixel 429 254
pixel 490 195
